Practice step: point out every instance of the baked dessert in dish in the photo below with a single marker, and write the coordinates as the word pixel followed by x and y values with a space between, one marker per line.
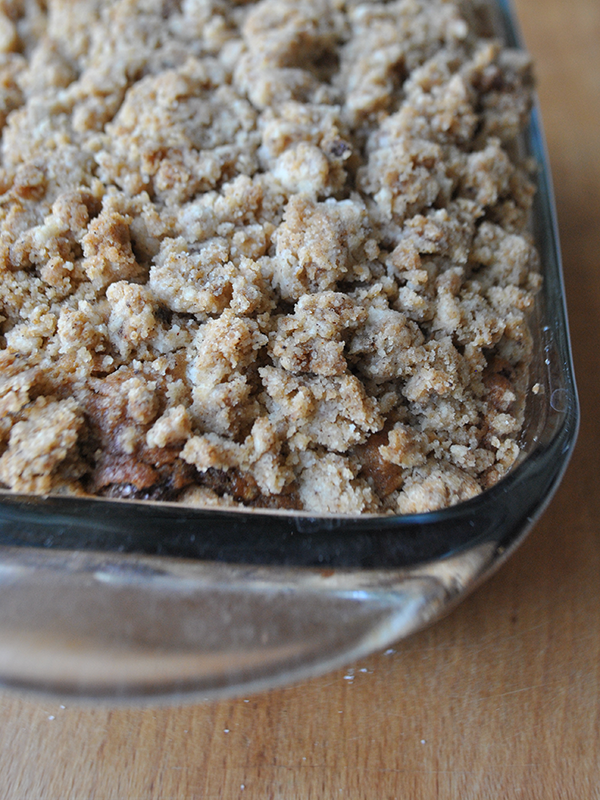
pixel 269 254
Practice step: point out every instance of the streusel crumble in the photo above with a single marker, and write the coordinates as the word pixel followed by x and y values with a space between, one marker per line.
pixel 271 254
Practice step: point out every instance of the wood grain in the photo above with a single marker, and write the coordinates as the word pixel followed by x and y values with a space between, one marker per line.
pixel 499 700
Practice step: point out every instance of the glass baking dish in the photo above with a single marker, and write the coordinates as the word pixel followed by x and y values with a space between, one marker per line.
pixel 115 599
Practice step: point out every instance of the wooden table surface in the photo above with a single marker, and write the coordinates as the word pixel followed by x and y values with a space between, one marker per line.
pixel 499 700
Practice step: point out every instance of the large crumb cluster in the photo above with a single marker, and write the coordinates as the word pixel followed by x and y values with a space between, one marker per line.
pixel 268 254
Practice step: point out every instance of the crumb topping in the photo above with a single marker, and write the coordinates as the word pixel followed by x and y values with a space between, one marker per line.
pixel 270 254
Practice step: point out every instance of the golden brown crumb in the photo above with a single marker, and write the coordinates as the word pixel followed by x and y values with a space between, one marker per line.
pixel 269 254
